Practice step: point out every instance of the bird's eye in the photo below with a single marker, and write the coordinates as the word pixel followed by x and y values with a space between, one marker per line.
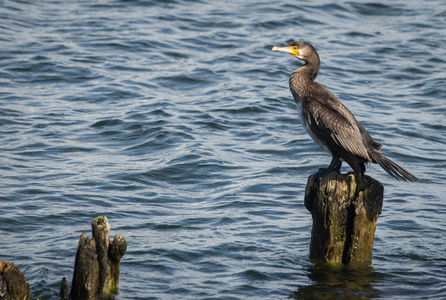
pixel 295 48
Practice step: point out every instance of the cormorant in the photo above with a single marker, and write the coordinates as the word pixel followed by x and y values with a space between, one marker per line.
pixel 330 123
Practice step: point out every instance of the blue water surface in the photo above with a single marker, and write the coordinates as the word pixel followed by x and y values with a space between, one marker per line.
pixel 174 119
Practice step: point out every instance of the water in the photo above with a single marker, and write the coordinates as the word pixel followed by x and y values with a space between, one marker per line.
pixel 174 119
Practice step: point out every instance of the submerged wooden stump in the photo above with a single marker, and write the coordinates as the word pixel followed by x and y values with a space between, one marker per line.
pixel 13 284
pixel 344 211
pixel 96 269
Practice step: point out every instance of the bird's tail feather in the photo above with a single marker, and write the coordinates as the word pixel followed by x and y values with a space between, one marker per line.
pixel 394 170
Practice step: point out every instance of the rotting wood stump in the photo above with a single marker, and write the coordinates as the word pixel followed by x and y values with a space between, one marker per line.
pixel 96 268
pixel 13 284
pixel 344 209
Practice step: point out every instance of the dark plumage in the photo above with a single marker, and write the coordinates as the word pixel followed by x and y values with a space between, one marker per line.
pixel 330 123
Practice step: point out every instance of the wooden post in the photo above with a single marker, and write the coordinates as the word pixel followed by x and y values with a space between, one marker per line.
pixel 96 268
pixel 344 211
pixel 13 284
pixel 63 294
pixel 117 251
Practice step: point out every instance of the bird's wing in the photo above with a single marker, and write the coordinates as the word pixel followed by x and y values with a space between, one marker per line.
pixel 327 122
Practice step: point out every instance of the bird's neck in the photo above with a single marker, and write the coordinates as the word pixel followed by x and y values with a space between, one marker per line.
pixel 302 78
pixel 309 71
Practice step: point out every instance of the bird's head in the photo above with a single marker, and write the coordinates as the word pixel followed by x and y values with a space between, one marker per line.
pixel 299 49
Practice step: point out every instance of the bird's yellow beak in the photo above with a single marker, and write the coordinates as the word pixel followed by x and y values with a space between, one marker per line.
pixel 293 50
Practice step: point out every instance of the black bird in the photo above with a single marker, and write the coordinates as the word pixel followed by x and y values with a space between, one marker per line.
pixel 330 123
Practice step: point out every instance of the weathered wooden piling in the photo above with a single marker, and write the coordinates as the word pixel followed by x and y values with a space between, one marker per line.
pixel 63 289
pixel 96 268
pixel 13 284
pixel 344 209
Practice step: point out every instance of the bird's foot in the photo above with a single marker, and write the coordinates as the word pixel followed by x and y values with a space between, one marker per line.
pixel 335 164
pixel 324 172
pixel 321 174
pixel 338 166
